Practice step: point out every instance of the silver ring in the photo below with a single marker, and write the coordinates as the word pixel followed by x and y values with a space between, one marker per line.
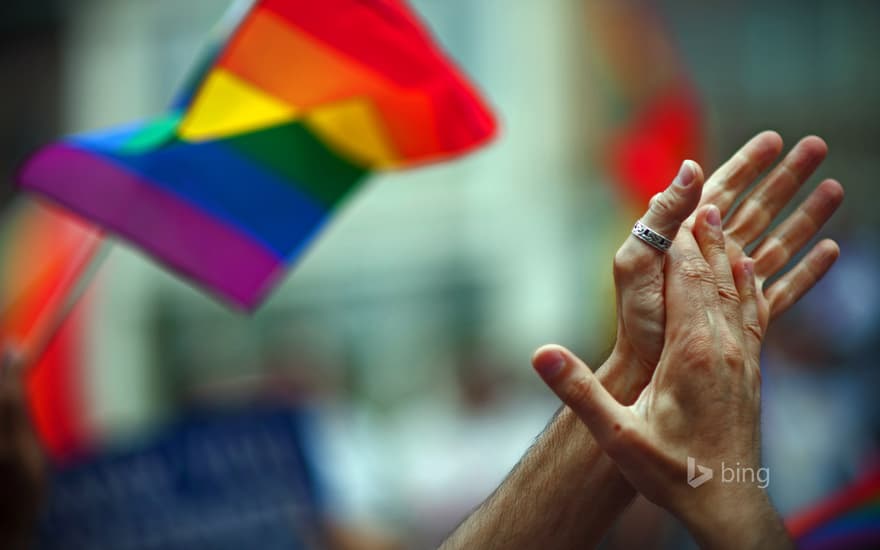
pixel 651 237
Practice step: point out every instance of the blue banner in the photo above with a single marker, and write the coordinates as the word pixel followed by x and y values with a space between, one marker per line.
pixel 211 481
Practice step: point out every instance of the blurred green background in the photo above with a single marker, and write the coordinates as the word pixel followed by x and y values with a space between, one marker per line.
pixel 409 324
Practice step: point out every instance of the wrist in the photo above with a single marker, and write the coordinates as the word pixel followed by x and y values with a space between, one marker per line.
pixel 731 516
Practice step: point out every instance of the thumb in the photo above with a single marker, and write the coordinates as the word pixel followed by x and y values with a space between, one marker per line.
pixel 638 266
pixel 578 387
pixel 635 263
pixel 669 208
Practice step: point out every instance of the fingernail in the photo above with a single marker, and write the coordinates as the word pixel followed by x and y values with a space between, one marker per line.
pixel 549 363
pixel 685 174
pixel 749 267
pixel 713 216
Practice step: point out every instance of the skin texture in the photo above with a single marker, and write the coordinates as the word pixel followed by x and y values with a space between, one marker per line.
pixel 638 270
pixel 566 492
pixel 703 400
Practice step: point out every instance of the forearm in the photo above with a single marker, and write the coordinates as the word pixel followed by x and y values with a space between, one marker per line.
pixel 740 520
pixel 564 493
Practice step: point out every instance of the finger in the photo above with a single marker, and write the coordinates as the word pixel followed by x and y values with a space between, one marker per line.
pixel 671 207
pixel 690 292
pixel 747 288
pixel 638 267
pixel 765 201
pixel 735 175
pixel 791 287
pixel 710 238
pixel 578 387
pixel 665 213
pixel 786 241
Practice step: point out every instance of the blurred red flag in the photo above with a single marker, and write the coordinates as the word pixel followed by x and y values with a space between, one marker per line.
pixel 645 155
pixel 43 253
pixel 657 119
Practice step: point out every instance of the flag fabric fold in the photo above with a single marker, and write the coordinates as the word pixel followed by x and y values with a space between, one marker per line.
pixel 303 101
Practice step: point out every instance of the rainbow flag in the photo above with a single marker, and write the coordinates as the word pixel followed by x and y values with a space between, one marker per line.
pixel 299 105
pixel 847 519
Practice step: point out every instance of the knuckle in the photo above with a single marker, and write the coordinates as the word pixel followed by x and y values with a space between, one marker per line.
pixel 699 345
pixel 732 352
pixel 746 291
pixel 694 269
pixel 662 205
pixel 715 243
pixel 753 329
pixel 628 263
pixel 579 390
pixel 728 292
pixel 624 263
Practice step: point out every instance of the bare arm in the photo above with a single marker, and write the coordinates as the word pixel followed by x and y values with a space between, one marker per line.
pixel 565 491
pixel 702 405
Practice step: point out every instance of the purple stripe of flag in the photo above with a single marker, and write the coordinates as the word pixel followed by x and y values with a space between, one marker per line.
pixel 188 239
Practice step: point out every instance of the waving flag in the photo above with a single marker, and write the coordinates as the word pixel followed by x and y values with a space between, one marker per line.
pixel 302 102
pixel 656 113
pixel 847 519
pixel 43 254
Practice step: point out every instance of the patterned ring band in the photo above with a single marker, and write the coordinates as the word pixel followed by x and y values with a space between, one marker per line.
pixel 648 235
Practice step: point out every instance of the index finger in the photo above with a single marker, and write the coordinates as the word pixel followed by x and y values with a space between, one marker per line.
pixel 667 210
pixel 691 296
pixel 710 237
pixel 734 176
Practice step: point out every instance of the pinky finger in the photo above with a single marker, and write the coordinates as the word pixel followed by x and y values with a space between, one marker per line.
pixel 791 287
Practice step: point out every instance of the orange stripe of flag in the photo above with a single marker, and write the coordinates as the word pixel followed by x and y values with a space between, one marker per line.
pixel 315 75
